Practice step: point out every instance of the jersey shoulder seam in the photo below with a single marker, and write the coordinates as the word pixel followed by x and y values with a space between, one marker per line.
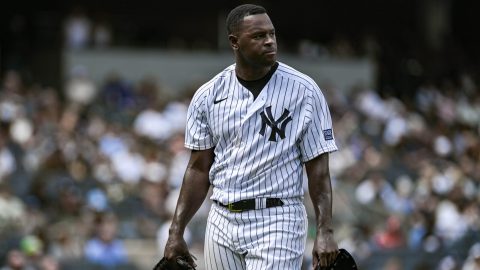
pixel 298 76
pixel 209 86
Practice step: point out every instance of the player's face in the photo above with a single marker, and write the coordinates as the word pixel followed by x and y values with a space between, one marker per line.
pixel 256 42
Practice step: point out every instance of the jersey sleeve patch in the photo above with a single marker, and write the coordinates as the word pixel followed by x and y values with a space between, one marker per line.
pixel 327 134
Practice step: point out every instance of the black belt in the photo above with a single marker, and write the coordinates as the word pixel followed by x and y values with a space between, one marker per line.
pixel 245 205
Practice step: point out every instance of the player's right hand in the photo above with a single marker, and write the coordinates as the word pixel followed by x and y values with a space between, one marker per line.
pixel 177 247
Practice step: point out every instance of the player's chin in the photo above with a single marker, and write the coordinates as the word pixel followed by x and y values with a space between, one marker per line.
pixel 270 59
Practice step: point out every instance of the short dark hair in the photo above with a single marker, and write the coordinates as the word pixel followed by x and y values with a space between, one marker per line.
pixel 235 17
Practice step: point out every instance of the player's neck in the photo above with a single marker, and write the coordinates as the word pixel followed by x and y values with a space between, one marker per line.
pixel 251 73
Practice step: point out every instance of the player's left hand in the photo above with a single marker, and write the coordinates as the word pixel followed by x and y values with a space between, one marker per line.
pixel 325 249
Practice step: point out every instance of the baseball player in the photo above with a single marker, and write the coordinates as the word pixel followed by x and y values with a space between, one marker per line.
pixel 251 130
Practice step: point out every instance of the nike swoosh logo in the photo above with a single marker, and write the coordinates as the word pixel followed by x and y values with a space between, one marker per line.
pixel 219 100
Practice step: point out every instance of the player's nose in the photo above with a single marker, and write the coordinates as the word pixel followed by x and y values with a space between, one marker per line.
pixel 270 40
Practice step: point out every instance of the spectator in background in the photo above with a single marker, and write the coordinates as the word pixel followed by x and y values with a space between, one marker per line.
pixel 473 260
pixel 392 236
pixel 66 241
pixel 77 30
pixel 16 261
pixel 7 160
pixel 118 99
pixel 393 263
pixel 105 248
pixel 153 124
pixel 80 90
pixel 129 165
pixel 179 161
pixel 118 93
pixel 418 230
pixel 32 247
pixel 11 98
pixel 159 121
pixel 48 263
pixel 102 33
pixel 12 210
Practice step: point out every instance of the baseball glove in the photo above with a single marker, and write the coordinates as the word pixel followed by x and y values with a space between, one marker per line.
pixel 344 261
pixel 181 263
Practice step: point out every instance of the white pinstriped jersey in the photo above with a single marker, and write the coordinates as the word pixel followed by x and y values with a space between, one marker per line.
pixel 260 145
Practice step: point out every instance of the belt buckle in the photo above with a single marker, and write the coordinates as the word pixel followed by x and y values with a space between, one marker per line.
pixel 231 209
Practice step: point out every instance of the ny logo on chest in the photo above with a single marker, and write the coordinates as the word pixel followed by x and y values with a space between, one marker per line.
pixel 277 126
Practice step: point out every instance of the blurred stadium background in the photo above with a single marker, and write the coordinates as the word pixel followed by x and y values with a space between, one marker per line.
pixel 92 105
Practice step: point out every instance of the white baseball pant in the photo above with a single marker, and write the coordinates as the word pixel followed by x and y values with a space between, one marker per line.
pixel 269 238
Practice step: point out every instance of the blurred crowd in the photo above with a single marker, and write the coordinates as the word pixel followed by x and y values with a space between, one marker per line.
pixel 89 166
pixel 83 168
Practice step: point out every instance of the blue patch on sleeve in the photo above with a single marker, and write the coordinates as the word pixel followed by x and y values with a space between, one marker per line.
pixel 328 134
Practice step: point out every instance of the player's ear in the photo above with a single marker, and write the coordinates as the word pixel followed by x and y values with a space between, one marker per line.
pixel 233 41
